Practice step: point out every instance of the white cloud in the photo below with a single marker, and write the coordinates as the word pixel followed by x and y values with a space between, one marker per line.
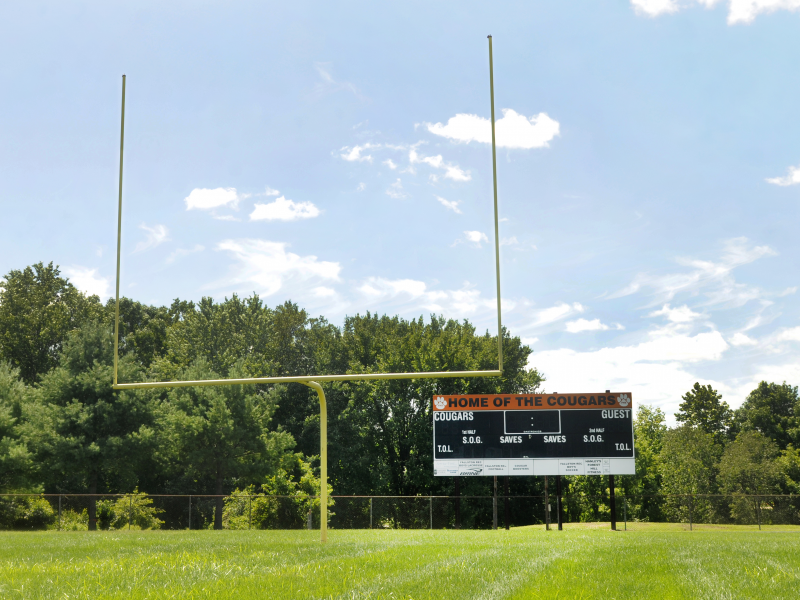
pixel 654 8
pixel 791 178
pixel 269 267
pixel 354 154
pixel 205 199
pixel 270 192
pixel 361 187
pixel 787 335
pixel 390 163
pixel 323 292
pixel 559 311
pixel 512 241
pixel 476 237
pixel 741 339
pixel 155 235
pixel 714 277
pixel 788 291
pixel 88 281
pixel 396 190
pixel 739 11
pixel 452 171
pixel 585 325
pixel 655 371
pixel 415 295
pixel 450 204
pixel 512 130
pixel 181 252
pixel 284 210
pixel 225 217
pixel 681 314
pixel 528 341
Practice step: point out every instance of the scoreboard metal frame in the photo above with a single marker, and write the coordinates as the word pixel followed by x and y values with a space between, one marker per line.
pixel 533 434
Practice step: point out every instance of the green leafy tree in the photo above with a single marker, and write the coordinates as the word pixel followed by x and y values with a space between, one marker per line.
pixel 750 467
pixel 773 410
pixel 688 465
pixel 221 433
pixel 703 407
pixel 643 489
pixel 15 460
pixel 85 436
pixel 38 308
pixel 387 448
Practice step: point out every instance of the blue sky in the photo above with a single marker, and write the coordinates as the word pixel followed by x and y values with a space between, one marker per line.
pixel 336 154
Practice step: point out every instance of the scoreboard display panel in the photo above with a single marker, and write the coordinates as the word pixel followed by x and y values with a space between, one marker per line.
pixel 539 434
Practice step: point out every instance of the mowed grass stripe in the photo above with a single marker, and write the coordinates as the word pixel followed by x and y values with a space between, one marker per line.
pixel 522 563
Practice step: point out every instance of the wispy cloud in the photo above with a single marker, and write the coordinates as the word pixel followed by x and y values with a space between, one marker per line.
pixel 512 130
pixel 450 204
pixel 396 190
pixel 714 278
pixel 390 163
pixel 155 235
pixel 284 210
pixel 329 85
pixel 181 252
pixel 451 171
pixel 555 313
pixel 268 266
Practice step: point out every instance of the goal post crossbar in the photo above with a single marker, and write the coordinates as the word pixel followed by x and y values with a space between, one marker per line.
pixel 313 381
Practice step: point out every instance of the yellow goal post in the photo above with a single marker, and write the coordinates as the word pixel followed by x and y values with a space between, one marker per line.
pixel 313 381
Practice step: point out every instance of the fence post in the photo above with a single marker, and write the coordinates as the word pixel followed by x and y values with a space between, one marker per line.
pixel 190 511
pixel 130 511
pixel 249 510
pixel 613 499
pixel 370 512
pixel 59 511
pixel 691 502
pixel 758 512
pixel 546 506
pixel 494 505
pixel 625 511
pixel 430 499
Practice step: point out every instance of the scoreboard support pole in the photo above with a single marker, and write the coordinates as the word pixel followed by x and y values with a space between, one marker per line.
pixel 458 502
pixel 494 505
pixel 558 503
pixel 546 506
pixel 506 508
pixel 613 498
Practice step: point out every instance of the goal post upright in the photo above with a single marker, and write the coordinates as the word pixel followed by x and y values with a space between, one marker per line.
pixel 313 381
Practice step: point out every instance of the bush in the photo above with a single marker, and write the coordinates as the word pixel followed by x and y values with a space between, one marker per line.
pixel 26 513
pixel 135 509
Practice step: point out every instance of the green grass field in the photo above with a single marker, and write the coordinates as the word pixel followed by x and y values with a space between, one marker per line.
pixel 580 562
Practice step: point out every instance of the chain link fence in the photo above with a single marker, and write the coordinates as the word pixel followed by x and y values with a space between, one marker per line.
pixel 70 512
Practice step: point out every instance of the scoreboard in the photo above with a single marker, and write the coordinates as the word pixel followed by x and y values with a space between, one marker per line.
pixel 539 434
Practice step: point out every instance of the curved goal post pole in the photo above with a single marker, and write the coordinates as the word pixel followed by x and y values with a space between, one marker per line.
pixel 323 461
pixel 313 381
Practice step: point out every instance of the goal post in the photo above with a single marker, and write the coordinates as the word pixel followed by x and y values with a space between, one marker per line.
pixel 313 381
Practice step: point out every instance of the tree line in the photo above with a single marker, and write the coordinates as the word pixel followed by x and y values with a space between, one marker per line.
pixel 64 430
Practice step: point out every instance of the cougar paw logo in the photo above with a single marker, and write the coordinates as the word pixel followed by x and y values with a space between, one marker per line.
pixel 440 402
pixel 623 400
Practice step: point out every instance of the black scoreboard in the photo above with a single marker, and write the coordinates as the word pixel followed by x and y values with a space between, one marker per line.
pixel 542 434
